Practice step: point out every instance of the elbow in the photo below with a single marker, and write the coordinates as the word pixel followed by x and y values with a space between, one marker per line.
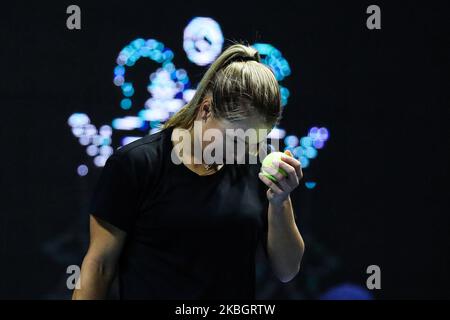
pixel 288 274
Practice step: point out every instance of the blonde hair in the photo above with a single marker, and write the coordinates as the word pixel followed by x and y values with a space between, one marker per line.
pixel 240 86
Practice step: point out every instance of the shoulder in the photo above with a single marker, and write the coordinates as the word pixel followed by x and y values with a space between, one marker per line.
pixel 151 143
pixel 142 156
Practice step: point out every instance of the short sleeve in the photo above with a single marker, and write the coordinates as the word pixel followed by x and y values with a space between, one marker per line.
pixel 114 199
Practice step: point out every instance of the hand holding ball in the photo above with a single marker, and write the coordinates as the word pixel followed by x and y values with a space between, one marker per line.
pixel 267 165
pixel 281 177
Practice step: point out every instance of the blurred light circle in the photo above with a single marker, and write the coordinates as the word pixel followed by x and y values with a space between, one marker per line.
pixel 78 120
pixel 82 170
pixel 100 161
pixel 121 60
pixel 284 92
pixel 188 94
pixel 169 67
pixel 77 131
pixel 306 142
pixel 119 70
pixel 90 130
pixel 106 141
pixel 97 140
pixel 310 152
pixel 106 151
pixel 151 43
pixel 291 141
pixel 84 140
pixel 130 62
pixel 128 93
pixel 168 54
pixel 202 40
pixel 310 184
pixel 314 133
pixel 304 161
pixel 105 130
pixel 118 80
pixel 298 152
pixel 138 43
pixel 318 144
pixel 92 150
pixel 323 134
pixel 125 104
pixel 181 74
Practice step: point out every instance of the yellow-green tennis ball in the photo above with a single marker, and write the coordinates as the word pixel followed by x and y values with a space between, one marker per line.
pixel 268 163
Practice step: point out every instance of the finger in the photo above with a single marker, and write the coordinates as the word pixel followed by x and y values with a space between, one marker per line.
pixel 272 185
pixel 284 184
pixel 294 163
pixel 272 170
pixel 281 180
pixel 291 173
pixel 264 179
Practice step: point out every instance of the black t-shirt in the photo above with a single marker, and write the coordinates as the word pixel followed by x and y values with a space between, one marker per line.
pixel 188 236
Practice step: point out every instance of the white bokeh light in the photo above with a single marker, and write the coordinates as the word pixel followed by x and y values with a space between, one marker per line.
pixel 203 40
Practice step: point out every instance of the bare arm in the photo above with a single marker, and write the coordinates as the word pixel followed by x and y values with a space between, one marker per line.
pixel 99 264
pixel 285 244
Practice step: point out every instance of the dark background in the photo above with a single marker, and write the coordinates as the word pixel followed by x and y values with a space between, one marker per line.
pixel 381 195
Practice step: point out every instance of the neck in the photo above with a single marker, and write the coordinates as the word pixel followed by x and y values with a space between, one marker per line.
pixel 196 161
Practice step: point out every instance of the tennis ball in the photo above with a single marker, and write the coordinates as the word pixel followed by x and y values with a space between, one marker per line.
pixel 267 163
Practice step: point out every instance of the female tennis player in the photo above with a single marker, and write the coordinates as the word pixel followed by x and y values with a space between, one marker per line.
pixel 172 226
